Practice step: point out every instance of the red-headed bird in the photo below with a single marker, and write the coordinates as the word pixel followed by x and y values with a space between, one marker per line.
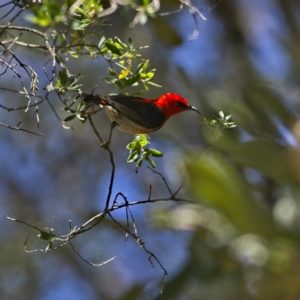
pixel 138 115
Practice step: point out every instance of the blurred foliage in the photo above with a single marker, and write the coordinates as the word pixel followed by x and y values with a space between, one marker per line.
pixel 241 234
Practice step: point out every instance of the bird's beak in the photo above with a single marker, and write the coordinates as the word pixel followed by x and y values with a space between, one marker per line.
pixel 194 108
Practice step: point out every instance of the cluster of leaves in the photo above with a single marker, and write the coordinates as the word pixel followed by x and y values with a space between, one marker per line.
pixel 76 15
pixel 220 123
pixel 52 13
pixel 138 153
pixel 80 112
pixel 64 82
pixel 123 55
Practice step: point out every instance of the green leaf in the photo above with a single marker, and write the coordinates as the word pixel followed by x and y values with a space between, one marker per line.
pixel 48 247
pixel 139 163
pixel 150 74
pixel 57 84
pixel 155 153
pixel 145 66
pixel 113 48
pixel 119 42
pixel 101 42
pixel 130 43
pixel 131 145
pixel 43 235
pixel 154 84
pixel 82 26
pixel 111 72
pixel 109 80
pixel 63 76
pixel 69 118
pixel 119 84
pixel 139 67
pixel 132 80
pixel 151 162
pixel 133 157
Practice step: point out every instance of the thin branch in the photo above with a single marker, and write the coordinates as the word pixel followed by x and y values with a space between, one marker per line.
pixel 31 251
pixel 150 201
pixel 8 3
pixel 23 28
pixel 17 128
pixel 111 157
pixel 51 106
pixel 197 157
pixel 141 244
pixel 113 7
pixel 34 31
pixel 20 107
pixel 95 129
pixel 9 109
pixel 193 10
pixel 100 217
pixel 88 262
pixel 150 192
pixel 19 221
pixel 43 250
pixel 17 14
pixel 164 180
pixel 116 203
pixel 112 178
pixel 12 68
pixel 194 13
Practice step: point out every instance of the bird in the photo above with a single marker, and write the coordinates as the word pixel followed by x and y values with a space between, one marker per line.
pixel 138 115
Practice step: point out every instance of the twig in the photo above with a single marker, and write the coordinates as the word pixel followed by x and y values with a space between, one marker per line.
pixel 112 178
pixel 88 262
pixel 111 157
pixel 95 129
pixel 20 129
pixel 150 201
pixel 197 157
pixel 43 250
pixel 20 107
pixel 13 18
pixel 83 228
pixel 51 106
pixel 141 244
pixel 22 222
pixel 12 68
pixel 150 192
pixel 194 13
pixel 164 180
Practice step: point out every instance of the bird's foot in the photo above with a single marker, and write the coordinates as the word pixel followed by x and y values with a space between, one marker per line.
pixel 92 111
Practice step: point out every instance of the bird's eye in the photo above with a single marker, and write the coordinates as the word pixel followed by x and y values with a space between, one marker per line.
pixel 180 104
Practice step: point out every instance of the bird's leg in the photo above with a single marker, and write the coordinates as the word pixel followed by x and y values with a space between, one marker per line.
pixel 112 126
pixel 91 110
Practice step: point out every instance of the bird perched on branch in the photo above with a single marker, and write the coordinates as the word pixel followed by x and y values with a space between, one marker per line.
pixel 138 115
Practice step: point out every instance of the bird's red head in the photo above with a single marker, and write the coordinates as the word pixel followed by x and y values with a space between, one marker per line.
pixel 173 104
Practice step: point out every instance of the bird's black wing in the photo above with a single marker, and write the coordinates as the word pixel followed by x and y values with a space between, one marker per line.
pixel 137 110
